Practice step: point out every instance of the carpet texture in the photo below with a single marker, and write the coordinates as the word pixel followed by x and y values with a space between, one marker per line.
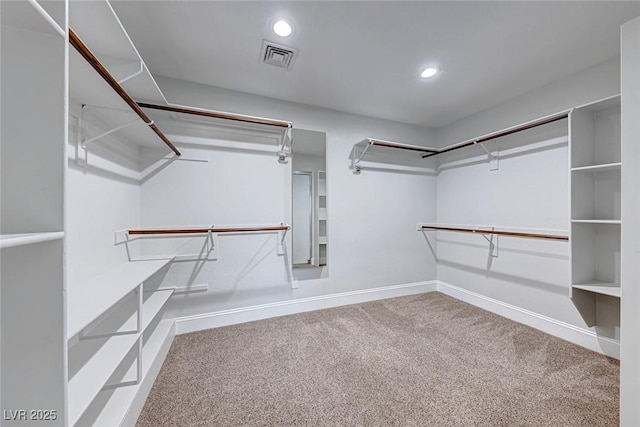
pixel 427 360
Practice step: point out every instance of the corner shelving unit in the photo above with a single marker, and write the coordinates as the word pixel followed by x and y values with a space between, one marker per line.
pixel 98 344
pixel 32 155
pixel 595 205
pixel 115 337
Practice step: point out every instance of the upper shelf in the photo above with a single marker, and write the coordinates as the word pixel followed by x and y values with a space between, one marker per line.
pixel 105 35
pixel 20 14
pixel 526 234
pixel 206 123
pixel 362 147
pixel 231 229
pixel 378 147
pixel 91 84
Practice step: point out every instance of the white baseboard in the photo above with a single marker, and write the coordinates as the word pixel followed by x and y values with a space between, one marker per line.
pixel 580 336
pixel 264 311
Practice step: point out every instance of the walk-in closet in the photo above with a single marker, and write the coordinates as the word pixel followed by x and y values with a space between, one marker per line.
pixel 319 213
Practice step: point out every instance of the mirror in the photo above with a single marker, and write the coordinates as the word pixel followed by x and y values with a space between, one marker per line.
pixel 309 204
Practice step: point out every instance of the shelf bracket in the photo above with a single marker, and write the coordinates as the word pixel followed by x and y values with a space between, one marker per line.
pixel 493 247
pixel 284 146
pixel 83 127
pixel 357 157
pixel 281 244
pixel 493 159
pixel 137 73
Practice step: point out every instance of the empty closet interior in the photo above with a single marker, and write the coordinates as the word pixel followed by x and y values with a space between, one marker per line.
pixel 136 207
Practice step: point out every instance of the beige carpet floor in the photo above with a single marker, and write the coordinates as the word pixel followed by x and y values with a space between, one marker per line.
pixel 427 360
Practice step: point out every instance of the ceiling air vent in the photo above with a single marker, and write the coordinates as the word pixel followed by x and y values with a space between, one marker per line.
pixel 277 54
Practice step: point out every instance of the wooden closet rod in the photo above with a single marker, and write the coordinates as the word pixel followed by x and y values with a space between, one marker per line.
pixel 207 230
pixel 217 115
pixel 499 232
pixel 380 143
pixel 502 133
pixel 86 53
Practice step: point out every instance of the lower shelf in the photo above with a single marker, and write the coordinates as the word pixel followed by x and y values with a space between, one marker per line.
pixel 117 404
pixel 93 375
pixel 604 288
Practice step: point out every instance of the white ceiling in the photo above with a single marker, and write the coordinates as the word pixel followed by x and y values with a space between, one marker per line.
pixel 364 57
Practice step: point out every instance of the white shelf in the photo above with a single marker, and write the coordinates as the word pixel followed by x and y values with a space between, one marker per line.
pixel 92 298
pixel 106 109
pixel 11 240
pixel 118 404
pixel 604 288
pixel 597 221
pixel 25 15
pixel 98 26
pixel 598 168
pixel 322 240
pixel 89 380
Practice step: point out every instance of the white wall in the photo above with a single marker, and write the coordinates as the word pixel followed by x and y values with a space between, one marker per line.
pixel 529 192
pixel 373 216
pixel 586 86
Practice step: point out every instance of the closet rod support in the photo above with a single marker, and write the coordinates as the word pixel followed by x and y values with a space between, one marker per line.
pixel 137 73
pixel 84 143
pixel 481 145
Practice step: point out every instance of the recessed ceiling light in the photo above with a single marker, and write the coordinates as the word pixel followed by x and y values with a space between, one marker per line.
pixel 429 72
pixel 282 28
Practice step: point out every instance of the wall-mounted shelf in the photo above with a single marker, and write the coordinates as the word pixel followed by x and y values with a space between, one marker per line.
pixel 91 84
pixel 501 133
pixel 493 232
pixel 279 130
pixel 361 148
pixel 11 240
pixel 103 32
pixel 210 233
pixel 106 290
pixel 381 147
pixel 229 229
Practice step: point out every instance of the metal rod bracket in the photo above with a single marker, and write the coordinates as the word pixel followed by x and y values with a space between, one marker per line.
pixel 285 146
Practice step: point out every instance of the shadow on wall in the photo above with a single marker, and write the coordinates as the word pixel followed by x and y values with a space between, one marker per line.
pixel 510 278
